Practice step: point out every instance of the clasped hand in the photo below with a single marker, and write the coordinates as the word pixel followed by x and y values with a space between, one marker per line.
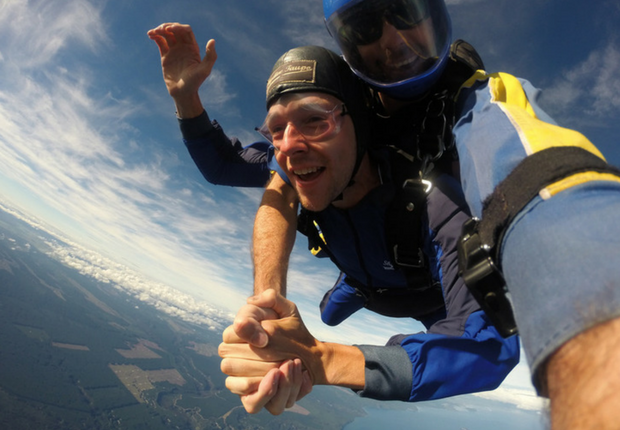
pixel 269 354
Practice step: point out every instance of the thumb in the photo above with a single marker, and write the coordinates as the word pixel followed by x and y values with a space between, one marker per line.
pixel 210 56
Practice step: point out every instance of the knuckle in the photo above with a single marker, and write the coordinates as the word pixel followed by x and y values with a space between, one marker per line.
pixel 226 366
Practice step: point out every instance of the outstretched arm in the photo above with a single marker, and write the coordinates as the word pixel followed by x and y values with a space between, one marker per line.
pixel 274 236
pixel 182 65
pixel 273 240
pixel 222 160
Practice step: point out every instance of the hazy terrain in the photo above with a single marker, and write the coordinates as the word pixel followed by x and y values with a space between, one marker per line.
pixel 77 353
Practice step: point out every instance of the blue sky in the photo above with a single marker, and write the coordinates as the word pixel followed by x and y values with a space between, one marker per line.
pixel 89 144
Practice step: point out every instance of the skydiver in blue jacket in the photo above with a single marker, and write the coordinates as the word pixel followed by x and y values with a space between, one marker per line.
pixel 458 331
pixel 319 123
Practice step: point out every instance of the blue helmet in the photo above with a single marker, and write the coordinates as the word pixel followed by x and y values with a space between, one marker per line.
pixel 399 47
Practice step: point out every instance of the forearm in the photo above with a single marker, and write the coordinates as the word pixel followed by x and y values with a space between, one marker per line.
pixel 274 236
pixel 584 380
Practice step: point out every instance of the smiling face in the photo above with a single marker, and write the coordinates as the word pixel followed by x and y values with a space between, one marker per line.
pixel 399 47
pixel 400 54
pixel 315 145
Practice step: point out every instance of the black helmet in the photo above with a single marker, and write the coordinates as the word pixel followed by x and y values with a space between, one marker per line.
pixel 317 69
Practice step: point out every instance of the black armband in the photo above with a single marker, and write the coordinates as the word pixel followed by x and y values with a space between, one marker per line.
pixel 480 243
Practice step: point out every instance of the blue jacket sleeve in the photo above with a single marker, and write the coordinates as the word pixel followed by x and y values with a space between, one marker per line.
pixel 499 123
pixel 224 161
pixel 432 366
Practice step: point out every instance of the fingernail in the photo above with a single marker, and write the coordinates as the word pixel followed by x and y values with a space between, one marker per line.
pixel 260 339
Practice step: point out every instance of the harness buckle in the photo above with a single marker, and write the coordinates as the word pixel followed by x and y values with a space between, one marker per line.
pixel 484 279
pixel 411 260
pixel 414 191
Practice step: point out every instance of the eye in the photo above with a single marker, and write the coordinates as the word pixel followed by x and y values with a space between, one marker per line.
pixel 277 134
pixel 276 131
pixel 315 125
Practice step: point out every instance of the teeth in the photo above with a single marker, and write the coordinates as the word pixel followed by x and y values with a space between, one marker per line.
pixel 403 63
pixel 306 171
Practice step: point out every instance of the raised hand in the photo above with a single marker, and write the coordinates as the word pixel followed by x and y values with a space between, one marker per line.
pixel 183 67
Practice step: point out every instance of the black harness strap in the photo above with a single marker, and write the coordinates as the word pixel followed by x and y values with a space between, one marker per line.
pixel 533 174
pixel 412 174
pixel 480 243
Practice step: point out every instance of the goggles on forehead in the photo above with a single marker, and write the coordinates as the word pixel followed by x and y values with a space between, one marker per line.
pixel 362 24
pixel 309 120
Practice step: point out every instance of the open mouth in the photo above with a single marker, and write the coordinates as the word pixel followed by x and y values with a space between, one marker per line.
pixel 309 173
pixel 405 62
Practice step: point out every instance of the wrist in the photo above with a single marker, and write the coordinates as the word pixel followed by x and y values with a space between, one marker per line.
pixel 341 365
pixel 278 287
pixel 188 106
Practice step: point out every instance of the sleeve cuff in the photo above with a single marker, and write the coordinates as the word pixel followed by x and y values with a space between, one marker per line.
pixel 193 128
pixel 388 373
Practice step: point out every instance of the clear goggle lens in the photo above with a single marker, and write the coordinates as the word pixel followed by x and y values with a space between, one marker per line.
pixel 309 120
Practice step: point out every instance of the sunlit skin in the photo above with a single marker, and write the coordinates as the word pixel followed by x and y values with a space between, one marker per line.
pixel 399 54
pixel 318 170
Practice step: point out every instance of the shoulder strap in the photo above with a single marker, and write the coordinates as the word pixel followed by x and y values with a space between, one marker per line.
pixel 465 62
pixel 435 136
pixel 411 174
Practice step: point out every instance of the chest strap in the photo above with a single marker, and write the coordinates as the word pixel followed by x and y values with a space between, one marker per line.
pixel 480 243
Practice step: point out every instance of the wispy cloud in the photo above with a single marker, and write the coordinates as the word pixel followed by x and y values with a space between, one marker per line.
pixel 304 23
pixel 521 398
pixel 104 270
pixel 589 93
pixel 35 31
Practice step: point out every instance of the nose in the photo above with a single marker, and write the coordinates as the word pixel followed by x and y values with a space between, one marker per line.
pixel 292 141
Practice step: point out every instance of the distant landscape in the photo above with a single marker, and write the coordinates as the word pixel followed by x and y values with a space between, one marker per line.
pixel 77 353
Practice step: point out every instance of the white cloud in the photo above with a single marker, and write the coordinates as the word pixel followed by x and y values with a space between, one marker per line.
pixel 522 399
pixel 36 30
pixel 215 93
pixel 107 271
pixel 589 92
pixel 305 24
